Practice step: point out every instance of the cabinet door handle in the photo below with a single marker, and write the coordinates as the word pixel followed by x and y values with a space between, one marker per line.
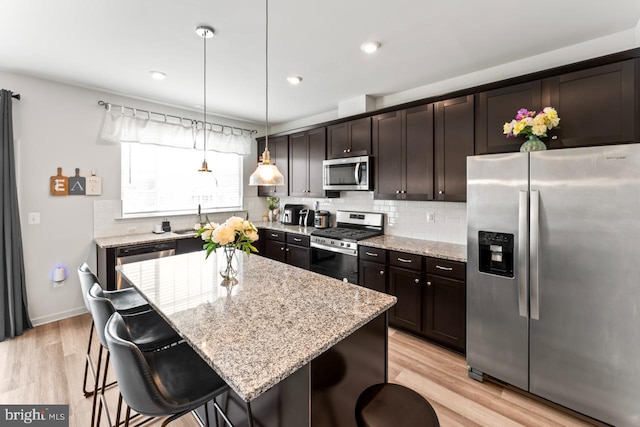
pixel 344 151
pixel 348 150
pixel 428 283
pixel 417 280
pixel 282 249
pixel 404 260
pixel 295 239
pixel 440 192
pixel 371 254
pixel 397 191
pixel 287 249
pixel 382 272
pixel 439 267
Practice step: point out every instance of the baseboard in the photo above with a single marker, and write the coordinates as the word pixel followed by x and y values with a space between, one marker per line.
pixel 37 321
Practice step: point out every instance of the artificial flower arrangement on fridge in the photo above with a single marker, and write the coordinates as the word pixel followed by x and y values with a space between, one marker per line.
pixel 534 125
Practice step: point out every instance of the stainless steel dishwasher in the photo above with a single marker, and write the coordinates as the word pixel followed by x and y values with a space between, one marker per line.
pixel 129 254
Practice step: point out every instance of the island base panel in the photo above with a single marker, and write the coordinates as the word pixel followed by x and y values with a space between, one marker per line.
pixel 323 393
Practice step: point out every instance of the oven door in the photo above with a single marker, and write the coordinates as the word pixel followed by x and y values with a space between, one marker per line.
pixel 335 264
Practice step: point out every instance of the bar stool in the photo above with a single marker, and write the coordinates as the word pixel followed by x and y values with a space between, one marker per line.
pixel 169 382
pixel 148 330
pixel 125 301
pixel 393 405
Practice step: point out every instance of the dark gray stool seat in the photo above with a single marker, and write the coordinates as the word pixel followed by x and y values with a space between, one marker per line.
pixel 393 405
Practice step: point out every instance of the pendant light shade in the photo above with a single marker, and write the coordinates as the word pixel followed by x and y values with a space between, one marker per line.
pixel 266 173
pixel 205 33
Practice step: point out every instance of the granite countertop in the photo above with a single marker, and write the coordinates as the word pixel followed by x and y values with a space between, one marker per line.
pixel 277 318
pixel 442 250
pixel 136 239
pixel 274 225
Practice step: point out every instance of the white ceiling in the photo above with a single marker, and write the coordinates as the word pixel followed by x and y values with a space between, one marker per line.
pixel 112 45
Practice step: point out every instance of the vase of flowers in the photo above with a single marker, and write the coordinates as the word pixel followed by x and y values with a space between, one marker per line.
pixel 234 235
pixel 273 208
pixel 534 125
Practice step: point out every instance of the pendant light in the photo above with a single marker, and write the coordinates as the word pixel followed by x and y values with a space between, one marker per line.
pixel 206 33
pixel 266 173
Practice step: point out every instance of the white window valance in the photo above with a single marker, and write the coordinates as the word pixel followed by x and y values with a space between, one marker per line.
pixel 119 128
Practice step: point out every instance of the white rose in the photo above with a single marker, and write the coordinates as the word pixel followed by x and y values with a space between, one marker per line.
pixel 235 223
pixel 224 235
pixel 206 235
pixel 197 227
pixel 252 235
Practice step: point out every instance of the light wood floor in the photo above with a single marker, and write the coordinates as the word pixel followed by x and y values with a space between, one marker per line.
pixel 44 366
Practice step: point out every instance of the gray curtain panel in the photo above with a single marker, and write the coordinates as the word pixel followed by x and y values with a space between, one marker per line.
pixel 14 315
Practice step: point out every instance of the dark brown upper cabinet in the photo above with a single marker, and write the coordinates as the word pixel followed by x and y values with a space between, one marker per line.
pixel 308 150
pixel 403 152
pixel 596 106
pixel 495 108
pixel 279 149
pixel 454 141
pixel 349 139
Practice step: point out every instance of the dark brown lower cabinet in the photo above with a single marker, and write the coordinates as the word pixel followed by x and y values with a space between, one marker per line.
pixel 406 285
pixel 184 246
pixel 372 275
pixel 444 314
pixel 298 251
pixel 275 250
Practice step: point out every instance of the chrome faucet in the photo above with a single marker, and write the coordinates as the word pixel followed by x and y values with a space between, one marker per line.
pixel 199 216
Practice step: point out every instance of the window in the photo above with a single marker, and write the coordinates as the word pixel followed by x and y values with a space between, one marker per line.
pixel 161 180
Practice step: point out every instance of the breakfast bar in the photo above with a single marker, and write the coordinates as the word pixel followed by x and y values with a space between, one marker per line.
pixel 298 345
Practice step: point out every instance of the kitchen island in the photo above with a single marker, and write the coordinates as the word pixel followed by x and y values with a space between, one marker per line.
pixel 298 345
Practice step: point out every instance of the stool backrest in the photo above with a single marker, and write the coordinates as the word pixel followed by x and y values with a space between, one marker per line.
pixel 101 310
pixel 135 378
pixel 87 279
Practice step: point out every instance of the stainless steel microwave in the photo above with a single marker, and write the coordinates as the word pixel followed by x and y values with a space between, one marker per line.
pixel 349 173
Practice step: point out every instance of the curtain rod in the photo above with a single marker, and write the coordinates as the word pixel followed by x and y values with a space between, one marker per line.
pixel 16 96
pixel 107 106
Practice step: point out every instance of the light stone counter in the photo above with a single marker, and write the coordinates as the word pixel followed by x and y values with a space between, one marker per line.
pixel 276 320
pixel 442 250
pixel 274 225
pixel 137 239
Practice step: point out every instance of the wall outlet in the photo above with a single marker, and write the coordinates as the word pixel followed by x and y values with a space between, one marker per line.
pixel 131 230
pixel 33 218
pixel 57 284
pixel 431 217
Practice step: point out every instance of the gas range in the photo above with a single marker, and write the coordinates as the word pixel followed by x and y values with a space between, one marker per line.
pixel 351 227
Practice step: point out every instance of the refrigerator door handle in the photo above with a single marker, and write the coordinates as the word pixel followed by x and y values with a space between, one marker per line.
pixel 522 253
pixel 534 244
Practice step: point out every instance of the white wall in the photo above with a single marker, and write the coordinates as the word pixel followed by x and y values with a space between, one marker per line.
pixel 57 125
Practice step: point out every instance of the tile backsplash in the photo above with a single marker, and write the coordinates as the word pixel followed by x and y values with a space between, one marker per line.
pixel 107 221
pixel 402 218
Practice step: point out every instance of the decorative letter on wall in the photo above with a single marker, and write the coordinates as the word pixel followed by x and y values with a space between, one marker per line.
pixel 77 184
pixel 59 185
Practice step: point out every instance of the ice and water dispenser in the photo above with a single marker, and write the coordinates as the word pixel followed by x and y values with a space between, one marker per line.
pixel 496 253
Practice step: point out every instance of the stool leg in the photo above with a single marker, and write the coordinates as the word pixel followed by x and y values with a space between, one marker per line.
pixel 127 416
pixel 119 410
pixel 96 384
pixel 206 414
pixel 86 364
pixel 103 401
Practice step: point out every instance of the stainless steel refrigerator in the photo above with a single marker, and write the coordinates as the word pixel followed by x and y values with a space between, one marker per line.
pixel 553 276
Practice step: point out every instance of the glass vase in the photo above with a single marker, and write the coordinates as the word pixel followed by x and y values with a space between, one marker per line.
pixel 533 143
pixel 228 266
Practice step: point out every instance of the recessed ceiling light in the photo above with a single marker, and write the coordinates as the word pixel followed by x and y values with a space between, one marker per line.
pixel 369 47
pixel 158 75
pixel 294 80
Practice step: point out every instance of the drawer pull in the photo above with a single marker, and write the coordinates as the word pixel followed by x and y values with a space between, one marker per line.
pixel 439 267
pixel 287 249
pixel 295 239
pixel 282 249
pixel 382 272
pixel 371 254
pixel 417 280
pixel 404 260
pixel 428 283
pixel 275 235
